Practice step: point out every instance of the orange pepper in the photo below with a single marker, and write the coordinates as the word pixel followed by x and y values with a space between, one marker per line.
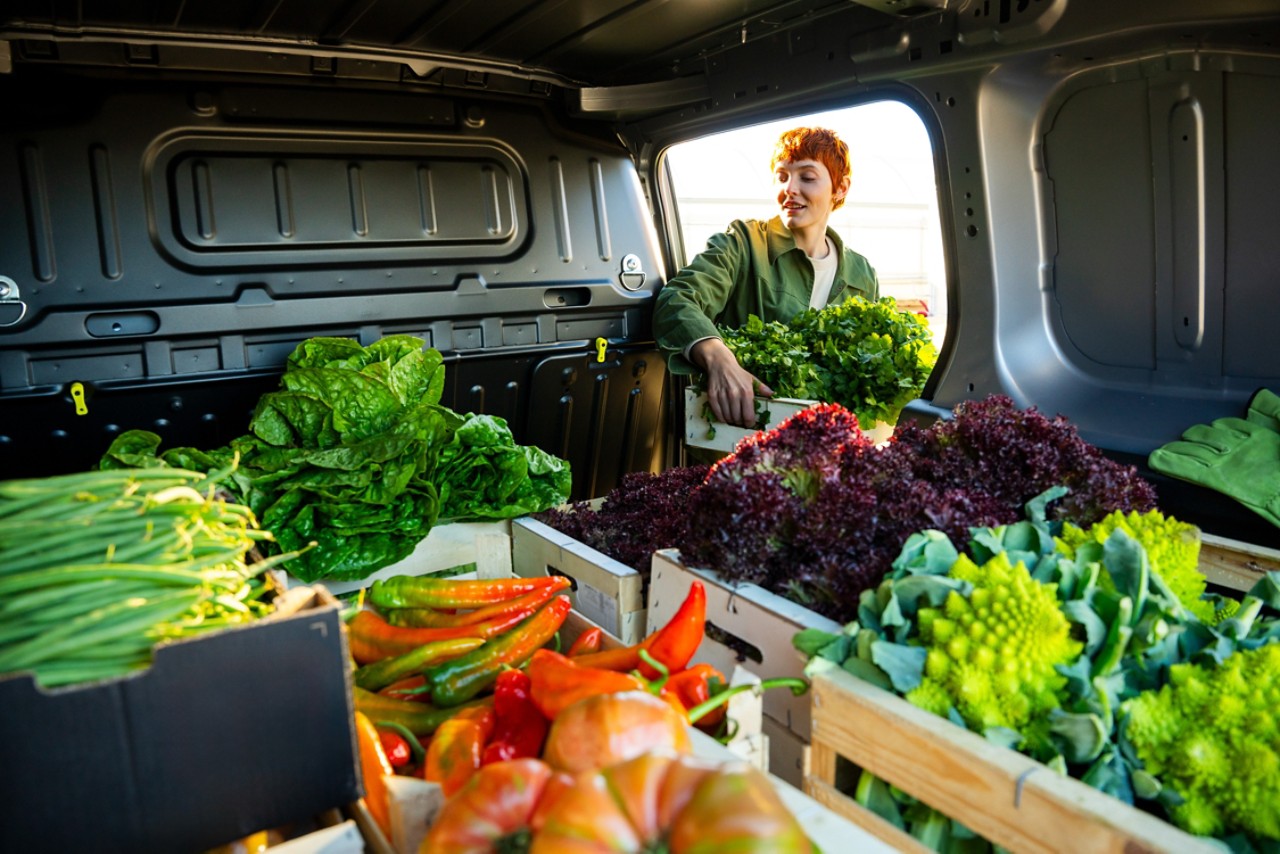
pixel 375 767
pixel 457 748
pixel 557 682
pixel 373 639
pixel 692 687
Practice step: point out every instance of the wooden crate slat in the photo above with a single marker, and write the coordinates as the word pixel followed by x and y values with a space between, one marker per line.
pixel 842 805
pixel 607 591
pixel 1235 564
pixel 1004 796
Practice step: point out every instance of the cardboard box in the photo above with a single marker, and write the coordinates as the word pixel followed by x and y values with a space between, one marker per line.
pixel 227 733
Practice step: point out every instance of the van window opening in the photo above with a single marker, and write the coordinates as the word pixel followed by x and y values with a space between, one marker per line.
pixel 890 215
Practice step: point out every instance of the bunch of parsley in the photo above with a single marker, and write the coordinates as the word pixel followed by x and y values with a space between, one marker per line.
pixel 866 355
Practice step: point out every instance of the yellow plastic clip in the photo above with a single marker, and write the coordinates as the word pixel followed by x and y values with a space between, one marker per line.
pixel 77 397
pixel 601 346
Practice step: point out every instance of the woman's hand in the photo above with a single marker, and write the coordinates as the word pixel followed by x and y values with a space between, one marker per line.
pixel 731 391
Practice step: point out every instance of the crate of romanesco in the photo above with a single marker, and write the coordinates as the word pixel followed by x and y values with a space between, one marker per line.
pixel 869 356
pixel 1054 689
pixel 160 693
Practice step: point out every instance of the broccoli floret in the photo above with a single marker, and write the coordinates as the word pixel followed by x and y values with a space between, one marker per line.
pixel 1172 546
pixel 992 653
pixel 1212 736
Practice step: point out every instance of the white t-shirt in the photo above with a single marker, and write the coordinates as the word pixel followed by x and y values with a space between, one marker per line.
pixel 824 276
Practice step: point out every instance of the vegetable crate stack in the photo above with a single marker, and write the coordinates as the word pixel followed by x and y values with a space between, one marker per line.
pixel 961 704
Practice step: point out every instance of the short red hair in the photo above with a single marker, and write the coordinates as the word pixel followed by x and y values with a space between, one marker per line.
pixel 818 144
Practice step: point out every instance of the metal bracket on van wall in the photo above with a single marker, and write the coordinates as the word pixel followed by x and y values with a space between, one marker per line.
pixel 632 277
pixel 12 308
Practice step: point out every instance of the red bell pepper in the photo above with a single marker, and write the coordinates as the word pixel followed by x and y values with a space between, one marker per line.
pixel 520 728
pixel 695 685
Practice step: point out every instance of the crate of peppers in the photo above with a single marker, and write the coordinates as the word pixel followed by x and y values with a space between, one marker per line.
pixel 462 683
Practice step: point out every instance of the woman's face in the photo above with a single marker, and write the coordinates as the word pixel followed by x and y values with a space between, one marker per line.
pixel 805 193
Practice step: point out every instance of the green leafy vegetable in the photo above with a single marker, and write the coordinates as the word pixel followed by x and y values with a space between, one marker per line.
pixel 865 355
pixel 355 454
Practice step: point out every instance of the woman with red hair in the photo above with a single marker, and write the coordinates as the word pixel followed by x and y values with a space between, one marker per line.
pixel 773 269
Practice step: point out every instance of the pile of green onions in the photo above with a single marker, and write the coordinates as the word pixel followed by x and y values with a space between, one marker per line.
pixel 98 567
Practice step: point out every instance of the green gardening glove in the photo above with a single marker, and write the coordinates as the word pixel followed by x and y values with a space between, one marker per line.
pixel 1236 457
pixel 1264 409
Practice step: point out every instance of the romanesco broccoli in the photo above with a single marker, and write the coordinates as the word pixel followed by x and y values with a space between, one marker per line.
pixel 992 653
pixel 1173 547
pixel 1212 735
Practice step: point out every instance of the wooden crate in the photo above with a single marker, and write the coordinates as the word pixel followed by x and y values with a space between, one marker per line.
pixel 1234 564
pixel 829 831
pixel 1006 797
pixel 764 621
pixel 608 592
pixel 487 545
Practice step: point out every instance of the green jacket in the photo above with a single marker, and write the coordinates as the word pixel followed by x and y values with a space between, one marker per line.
pixel 752 267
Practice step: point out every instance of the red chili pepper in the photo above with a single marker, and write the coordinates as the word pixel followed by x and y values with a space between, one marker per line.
pixel 396 748
pixel 436 618
pixel 673 645
pixel 694 686
pixel 557 682
pixel 372 638
pixel 425 591
pixel 519 727
pixel 456 749
pixel 588 641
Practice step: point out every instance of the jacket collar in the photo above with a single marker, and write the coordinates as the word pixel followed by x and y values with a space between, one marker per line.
pixel 780 239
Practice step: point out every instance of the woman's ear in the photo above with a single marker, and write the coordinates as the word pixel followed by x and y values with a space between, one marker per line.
pixel 842 189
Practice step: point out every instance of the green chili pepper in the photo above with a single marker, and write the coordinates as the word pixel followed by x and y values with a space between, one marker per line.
pixel 418 718
pixel 425 591
pixel 380 674
pixel 463 678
